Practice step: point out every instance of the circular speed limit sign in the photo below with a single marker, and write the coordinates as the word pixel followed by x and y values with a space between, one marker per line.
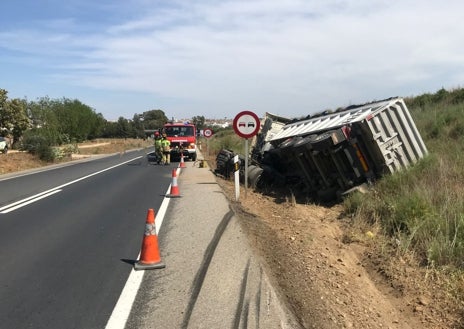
pixel 246 124
pixel 207 133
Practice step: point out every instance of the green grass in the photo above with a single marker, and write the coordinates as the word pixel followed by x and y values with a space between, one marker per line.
pixel 223 139
pixel 422 208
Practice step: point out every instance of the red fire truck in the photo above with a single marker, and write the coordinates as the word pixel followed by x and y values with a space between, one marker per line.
pixel 183 138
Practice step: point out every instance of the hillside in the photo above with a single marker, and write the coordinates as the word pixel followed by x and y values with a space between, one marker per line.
pixel 389 258
pixel 332 275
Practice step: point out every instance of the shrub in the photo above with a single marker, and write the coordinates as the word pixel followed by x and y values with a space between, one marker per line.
pixel 38 145
pixel 421 208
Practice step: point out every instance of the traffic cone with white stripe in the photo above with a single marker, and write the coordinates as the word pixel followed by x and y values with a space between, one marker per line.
pixel 174 188
pixel 149 255
pixel 182 163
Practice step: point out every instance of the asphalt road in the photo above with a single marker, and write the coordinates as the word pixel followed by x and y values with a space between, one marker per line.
pixel 69 238
pixel 65 258
pixel 212 279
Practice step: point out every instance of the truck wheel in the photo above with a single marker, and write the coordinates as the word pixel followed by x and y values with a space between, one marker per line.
pixel 5 150
pixel 194 157
pixel 254 174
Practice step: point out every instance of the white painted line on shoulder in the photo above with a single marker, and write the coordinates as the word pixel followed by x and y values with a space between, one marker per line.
pixel 121 311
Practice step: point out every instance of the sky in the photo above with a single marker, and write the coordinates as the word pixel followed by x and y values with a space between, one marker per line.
pixel 218 58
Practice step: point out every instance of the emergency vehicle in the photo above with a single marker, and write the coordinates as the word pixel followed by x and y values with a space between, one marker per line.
pixel 183 138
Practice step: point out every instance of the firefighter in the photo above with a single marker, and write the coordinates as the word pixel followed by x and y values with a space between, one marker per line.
pixel 166 146
pixel 158 147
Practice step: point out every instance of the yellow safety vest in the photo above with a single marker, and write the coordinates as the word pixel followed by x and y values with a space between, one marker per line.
pixel 158 144
pixel 166 145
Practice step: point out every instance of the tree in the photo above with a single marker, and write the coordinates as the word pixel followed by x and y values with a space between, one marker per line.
pixel 199 122
pixel 76 120
pixel 13 118
pixel 44 121
pixel 124 129
pixel 139 125
pixel 153 119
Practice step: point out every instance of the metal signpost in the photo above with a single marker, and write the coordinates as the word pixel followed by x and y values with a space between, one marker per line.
pixel 246 124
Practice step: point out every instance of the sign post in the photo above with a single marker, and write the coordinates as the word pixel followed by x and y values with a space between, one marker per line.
pixel 246 124
pixel 207 133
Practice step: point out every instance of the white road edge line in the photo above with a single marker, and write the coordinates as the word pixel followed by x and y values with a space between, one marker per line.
pixel 24 202
pixel 121 311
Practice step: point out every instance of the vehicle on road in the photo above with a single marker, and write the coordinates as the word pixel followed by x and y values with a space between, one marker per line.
pixel 183 138
pixel 3 145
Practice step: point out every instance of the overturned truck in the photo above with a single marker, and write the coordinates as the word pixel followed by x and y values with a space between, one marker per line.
pixel 326 156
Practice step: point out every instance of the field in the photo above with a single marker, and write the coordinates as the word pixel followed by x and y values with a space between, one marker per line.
pixel 17 161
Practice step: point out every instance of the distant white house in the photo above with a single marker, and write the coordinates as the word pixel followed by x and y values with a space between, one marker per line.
pixel 224 124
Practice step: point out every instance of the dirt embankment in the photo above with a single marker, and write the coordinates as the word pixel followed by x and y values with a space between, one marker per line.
pixel 330 278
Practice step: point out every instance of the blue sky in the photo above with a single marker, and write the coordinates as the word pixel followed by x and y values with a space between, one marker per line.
pixel 217 58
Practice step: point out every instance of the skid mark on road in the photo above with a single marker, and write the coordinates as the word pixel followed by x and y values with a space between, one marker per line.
pixel 201 274
pixel 239 310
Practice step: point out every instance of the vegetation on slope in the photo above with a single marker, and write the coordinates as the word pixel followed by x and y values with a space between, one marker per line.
pixel 419 213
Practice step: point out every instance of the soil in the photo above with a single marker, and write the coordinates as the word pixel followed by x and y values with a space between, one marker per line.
pixel 334 276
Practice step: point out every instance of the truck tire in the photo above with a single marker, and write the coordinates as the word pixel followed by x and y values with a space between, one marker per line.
pixel 194 156
pixel 254 174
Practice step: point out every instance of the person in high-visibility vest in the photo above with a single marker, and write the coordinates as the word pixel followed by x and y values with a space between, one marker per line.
pixel 166 146
pixel 158 147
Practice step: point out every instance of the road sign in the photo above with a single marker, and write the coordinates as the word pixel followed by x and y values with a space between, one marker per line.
pixel 207 133
pixel 246 124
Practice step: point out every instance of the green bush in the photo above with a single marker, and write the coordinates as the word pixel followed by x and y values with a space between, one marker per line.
pixel 39 145
pixel 422 208
pixel 46 153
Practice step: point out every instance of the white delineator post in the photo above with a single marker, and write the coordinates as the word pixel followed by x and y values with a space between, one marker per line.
pixel 237 177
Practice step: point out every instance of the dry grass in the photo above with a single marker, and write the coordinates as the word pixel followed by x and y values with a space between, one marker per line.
pixel 18 161
pixel 108 146
pixel 15 161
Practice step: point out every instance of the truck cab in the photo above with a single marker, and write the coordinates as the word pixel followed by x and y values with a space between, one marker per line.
pixel 183 138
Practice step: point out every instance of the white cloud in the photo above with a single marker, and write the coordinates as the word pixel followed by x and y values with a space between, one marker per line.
pixel 284 56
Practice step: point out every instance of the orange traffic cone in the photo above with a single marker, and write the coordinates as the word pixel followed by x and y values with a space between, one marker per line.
pixel 174 188
pixel 182 163
pixel 149 255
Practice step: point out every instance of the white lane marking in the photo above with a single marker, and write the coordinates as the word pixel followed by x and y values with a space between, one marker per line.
pixel 26 199
pixel 36 197
pixel 31 200
pixel 121 311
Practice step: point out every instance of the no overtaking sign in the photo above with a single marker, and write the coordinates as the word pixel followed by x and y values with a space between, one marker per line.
pixel 246 124
pixel 207 133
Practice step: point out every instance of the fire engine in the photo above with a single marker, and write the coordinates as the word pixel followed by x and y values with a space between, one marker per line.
pixel 183 138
